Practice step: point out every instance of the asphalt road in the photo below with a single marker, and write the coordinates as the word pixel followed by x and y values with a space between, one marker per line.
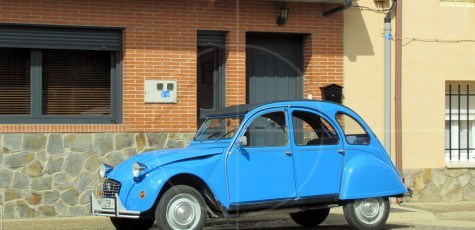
pixel 411 216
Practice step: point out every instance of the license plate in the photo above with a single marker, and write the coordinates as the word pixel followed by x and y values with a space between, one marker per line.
pixel 108 203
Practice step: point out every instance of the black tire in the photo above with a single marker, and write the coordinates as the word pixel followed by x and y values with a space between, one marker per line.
pixel 181 207
pixel 126 223
pixel 310 218
pixel 370 213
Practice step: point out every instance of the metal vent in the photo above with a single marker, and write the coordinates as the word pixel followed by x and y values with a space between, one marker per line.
pixel 110 188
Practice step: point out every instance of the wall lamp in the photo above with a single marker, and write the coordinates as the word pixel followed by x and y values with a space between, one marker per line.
pixel 284 12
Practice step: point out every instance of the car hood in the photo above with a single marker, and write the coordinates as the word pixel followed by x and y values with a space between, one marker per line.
pixel 157 158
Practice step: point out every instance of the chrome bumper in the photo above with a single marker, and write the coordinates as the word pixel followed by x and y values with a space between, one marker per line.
pixel 118 211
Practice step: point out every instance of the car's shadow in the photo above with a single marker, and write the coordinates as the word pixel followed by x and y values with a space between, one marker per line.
pixel 283 222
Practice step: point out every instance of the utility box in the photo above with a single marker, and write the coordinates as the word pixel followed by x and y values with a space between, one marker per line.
pixel 332 92
pixel 160 91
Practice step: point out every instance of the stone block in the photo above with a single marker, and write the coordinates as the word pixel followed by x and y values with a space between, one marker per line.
pixel 140 142
pixel 50 197
pixel 114 158
pixel 78 211
pixel 464 180
pixel 93 163
pixel 86 180
pixel 35 169
pixel 19 159
pixel 438 177
pixel 419 183
pixel 70 197
pixel 455 172
pixel 157 140
pixel 33 198
pixel 123 140
pixel 103 143
pixel 12 143
pixel 55 144
pixel 61 208
pixel 12 194
pixel 78 142
pixel 47 211
pixel 472 181
pixel 85 197
pixel 54 165
pixel 42 183
pixel 452 190
pixel 469 193
pixel 73 164
pixel 62 181
pixel 25 211
pixel 426 175
pixel 20 181
pixel 9 210
pixel 7 178
pixel 34 142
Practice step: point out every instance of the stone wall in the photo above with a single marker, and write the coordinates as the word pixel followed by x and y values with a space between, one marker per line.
pixel 46 175
pixel 441 185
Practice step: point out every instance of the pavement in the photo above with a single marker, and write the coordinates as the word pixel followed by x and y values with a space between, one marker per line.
pixel 456 215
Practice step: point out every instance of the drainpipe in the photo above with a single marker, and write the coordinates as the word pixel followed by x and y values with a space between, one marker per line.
pixel 387 78
pixel 398 76
pixel 344 6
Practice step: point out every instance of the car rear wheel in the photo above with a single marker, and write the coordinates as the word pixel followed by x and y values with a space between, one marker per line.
pixel 126 223
pixel 310 218
pixel 369 213
pixel 181 207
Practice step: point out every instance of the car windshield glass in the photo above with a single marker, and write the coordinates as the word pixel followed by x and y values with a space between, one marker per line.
pixel 218 128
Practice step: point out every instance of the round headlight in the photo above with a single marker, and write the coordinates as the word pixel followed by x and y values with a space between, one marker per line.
pixel 138 169
pixel 104 170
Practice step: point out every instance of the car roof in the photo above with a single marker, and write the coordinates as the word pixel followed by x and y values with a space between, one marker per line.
pixel 246 108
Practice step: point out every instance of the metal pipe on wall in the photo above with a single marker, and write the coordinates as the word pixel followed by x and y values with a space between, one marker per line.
pixel 387 78
pixel 398 87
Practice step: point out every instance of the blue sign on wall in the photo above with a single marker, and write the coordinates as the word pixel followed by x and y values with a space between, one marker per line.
pixel 166 93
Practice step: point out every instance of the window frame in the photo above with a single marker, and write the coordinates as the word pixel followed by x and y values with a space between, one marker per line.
pixel 459 120
pixel 67 34
pixel 36 102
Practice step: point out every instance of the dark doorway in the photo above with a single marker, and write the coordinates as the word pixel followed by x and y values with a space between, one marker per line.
pixel 274 67
pixel 211 72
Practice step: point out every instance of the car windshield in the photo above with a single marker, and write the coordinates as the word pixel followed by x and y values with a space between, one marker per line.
pixel 218 128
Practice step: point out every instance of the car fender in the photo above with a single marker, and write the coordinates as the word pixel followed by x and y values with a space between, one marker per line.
pixel 366 175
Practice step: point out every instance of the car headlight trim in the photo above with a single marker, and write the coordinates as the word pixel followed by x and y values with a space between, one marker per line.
pixel 104 170
pixel 138 169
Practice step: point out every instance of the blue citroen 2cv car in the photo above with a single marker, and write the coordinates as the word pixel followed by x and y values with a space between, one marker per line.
pixel 300 157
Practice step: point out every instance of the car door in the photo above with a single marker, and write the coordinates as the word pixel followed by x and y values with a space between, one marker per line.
pixel 317 153
pixel 262 170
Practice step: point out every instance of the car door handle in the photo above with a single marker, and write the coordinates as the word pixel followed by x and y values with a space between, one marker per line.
pixel 341 151
pixel 288 153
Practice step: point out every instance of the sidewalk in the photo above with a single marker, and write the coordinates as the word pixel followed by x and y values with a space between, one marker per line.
pixel 459 215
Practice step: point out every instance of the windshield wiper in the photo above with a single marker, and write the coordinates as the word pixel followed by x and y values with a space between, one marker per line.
pixel 217 139
pixel 210 136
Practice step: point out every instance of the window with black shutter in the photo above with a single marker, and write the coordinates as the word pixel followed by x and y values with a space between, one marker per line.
pixel 75 78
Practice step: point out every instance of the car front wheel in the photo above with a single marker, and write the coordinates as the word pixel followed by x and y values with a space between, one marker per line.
pixel 310 218
pixel 181 207
pixel 125 223
pixel 369 213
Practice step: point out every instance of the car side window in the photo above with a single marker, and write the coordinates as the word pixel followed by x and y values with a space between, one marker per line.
pixel 311 129
pixel 267 130
pixel 355 134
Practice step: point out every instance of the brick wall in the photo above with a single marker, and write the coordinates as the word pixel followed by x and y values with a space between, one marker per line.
pixel 160 43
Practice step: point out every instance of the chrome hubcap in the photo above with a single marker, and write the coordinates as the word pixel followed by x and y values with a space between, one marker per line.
pixel 183 212
pixel 369 210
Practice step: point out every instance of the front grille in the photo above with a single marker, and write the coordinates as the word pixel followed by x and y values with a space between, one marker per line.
pixel 110 188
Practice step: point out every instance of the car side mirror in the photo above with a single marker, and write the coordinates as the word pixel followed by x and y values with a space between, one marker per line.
pixel 242 141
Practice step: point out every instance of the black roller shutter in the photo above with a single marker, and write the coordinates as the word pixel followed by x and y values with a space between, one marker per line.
pixel 211 38
pixel 58 37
